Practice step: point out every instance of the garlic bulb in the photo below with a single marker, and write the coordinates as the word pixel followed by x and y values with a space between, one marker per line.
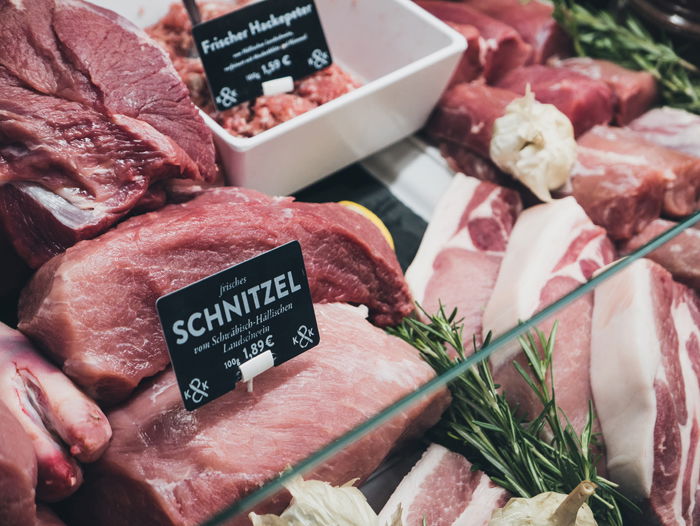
pixel 548 509
pixel 317 503
pixel 535 143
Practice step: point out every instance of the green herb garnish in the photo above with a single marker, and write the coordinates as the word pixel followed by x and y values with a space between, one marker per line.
pixel 598 34
pixel 525 458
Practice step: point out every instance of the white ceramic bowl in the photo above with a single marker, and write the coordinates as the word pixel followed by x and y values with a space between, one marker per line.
pixel 403 57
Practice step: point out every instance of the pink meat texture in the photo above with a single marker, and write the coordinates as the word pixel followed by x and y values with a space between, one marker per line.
pixel 445 490
pixel 619 192
pixel 84 134
pixel 553 249
pixel 17 472
pixel 533 21
pixel 466 113
pixel 672 128
pixel 63 425
pixel 168 466
pixel 108 337
pixel 680 256
pixel 500 46
pixel 681 171
pixel 470 66
pixel 461 252
pixel 634 91
pixel 645 362
pixel 250 118
pixel 585 101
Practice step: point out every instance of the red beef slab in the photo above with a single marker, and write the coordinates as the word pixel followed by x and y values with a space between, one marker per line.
pixel 466 113
pixel 169 466
pixel 84 133
pixel 502 47
pixel 93 307
pixel 470 66
pixel 533 20
pixel 681 171
pixel 585 101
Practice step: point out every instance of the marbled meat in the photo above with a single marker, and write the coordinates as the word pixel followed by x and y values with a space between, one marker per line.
pixel 460 254
pixel 553 249
pixel 645 363
pixel 168 466
pixel 93 307
pixel 672 128
pixel 444 489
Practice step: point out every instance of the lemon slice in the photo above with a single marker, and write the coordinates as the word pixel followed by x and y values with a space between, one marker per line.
pixel 357 207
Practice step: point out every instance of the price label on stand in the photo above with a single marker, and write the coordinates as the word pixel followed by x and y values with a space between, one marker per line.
pixel 262 44
pixel 237 323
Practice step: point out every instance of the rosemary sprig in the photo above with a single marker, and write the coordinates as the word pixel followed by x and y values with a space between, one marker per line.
pixel 597 34
pixel 526 458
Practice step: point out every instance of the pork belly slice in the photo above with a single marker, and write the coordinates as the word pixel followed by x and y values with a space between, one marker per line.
pixel 93 307
pixel 89 131
pixel 553 249
pixel 168 466
pixel 680 256
pixel 672 128
pixel 443 489
pixel 18 472
pixel 500 46
pixel 585 101
pixel 461 251
pixel 618 192
pixel 63 425
pixel 635 91
pixel 533 21
pixel 466 113
pixel 681 171
pixel 645 360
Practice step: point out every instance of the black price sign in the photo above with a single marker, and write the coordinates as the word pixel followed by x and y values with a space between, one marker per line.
pixel 264 41
pixel 234 323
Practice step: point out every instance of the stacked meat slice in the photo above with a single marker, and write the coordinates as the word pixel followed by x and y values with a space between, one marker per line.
pixel 443 489
pixel 553 249
pixel 458 260
pixel 645 362
pixel 168 466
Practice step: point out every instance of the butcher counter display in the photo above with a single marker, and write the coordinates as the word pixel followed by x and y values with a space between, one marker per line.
pixel 506 304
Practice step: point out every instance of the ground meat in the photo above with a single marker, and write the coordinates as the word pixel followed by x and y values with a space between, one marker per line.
pixel 174 33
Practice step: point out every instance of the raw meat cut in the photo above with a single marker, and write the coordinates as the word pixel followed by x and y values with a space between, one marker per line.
pixel 174 33
pixel 533 21
pixel 466 113
pixel 553 249
pixel 672 128
pixel 168 466
pixel 93 307
pixel 585 101
pixel 83 134
pixel 61 422
pixel 618 192
pixel 470 66
pixel 635 91
pixel 644 376
pixel 680 256
pixel 443 489
pixel 17 472
pixel 462 248
pixel 500 46
pixel 682 171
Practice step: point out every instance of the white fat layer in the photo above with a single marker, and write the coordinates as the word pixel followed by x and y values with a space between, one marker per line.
pixel 441 228
pixel 484 501
pixel 625 362
pixel 540 238
pixel 685 328
pixel 411 486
